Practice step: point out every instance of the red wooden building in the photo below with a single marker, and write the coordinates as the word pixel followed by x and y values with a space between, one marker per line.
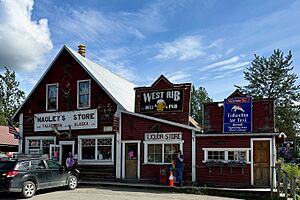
pixel 158 128
pixel 117 131
pixel 238 159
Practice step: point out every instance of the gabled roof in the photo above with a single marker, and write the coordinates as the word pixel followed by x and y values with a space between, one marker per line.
pixel 119 89
pixel 163 121
pixel 6 138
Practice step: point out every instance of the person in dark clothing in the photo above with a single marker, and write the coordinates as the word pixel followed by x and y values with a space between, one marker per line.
pixel 179 167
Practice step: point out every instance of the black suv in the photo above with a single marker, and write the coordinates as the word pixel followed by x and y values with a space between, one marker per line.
pixel 28 175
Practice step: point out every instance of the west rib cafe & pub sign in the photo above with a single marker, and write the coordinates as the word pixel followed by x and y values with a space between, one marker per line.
pixel 238 115
pixel 162 101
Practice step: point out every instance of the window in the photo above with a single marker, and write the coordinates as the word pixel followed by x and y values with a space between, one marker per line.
pixel 161 153
pixel 237 155
pixel 38 145
pixel 226 154
pixel 53 165
pixel 38 164
pixel 96 149
pixel 216 155
pixel 83 91
pixel 52 96
pixel 23 165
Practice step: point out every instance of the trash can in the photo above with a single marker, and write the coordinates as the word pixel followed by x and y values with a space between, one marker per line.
pixel 163 175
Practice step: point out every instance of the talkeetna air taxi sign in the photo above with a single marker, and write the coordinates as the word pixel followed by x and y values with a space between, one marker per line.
pixel 238 115
pixel 161 100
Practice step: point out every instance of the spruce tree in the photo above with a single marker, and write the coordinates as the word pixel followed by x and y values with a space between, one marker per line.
pixel 10 95
pixel 273 78
pixel 198 97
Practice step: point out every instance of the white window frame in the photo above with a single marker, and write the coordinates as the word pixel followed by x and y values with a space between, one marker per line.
pixel 47 89
pixel 96 162
pixel 78 83
pixel 41 138
pixel 226 150
pixel 180 142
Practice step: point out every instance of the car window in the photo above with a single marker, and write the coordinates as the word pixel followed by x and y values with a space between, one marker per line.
pixel 53 165
pixel 23 166
pixel 7 165
pixel 38 164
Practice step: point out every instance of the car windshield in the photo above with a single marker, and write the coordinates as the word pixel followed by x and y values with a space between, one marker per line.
pixel 7 165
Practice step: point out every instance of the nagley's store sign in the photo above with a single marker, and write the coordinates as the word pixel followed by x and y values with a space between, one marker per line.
pixel 161 100
pixel 163 136
pixel 83 119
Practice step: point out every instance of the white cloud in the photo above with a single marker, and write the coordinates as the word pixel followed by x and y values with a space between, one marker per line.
pixel 186 48
pixel 229 61
pixel 179 76
pixel 239 65
pixel 23 42
pixel 217 44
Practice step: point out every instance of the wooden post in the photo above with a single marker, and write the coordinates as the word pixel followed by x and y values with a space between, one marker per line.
pixel 272 181
pixel 294 187
pixel 285 185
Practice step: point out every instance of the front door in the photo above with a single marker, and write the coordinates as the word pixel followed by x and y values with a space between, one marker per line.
pixel 261 163
pixel 65 148
pixel 131 160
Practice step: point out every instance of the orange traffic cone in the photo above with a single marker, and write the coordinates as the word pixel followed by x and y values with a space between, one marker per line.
pixel 171 179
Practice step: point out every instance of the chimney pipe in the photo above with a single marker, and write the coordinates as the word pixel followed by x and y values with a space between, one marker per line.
pixel 81 49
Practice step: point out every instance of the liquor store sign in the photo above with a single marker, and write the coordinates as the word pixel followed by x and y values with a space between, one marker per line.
pixel 238 115
pixel 83 119
pixel 161 100
pixel 171 136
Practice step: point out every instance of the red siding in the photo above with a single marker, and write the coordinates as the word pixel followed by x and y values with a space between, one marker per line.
pixel 225 176
pixel 67 81
pixel 262 117
pixel 134 128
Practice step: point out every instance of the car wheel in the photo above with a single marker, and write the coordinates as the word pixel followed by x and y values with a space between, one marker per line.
pixel 28 189
pixel 72 182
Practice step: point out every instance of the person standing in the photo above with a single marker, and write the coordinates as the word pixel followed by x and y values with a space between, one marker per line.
pixel 179 168
pixel 70 161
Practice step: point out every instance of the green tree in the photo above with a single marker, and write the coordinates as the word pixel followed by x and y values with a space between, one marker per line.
pixel 11 96
pixel 273 78
pixel 199 96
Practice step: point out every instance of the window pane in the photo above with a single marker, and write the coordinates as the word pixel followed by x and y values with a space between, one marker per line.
pixel 52 97
pixel 88 149
pixel 237 155
pixel 104 151
pixel 84 94
pixel 216 155
pixel 169 152
pixel 155 153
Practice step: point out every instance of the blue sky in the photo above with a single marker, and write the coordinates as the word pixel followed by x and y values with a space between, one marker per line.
pixel 208 43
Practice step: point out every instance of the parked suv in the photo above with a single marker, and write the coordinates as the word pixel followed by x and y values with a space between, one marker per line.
pixel 28 175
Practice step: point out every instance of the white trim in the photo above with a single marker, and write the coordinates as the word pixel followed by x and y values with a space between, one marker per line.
pixel 226 150
pixel 118 150
pixel 47 90
pixel 180 142
pixel 78 82
pixel 124 142
pixel 96 162
pixel 235 134
pixel 162 121
pixel 193 156
pixel 37 138
pixel 21 127
pixel 252 162
pixel 61 143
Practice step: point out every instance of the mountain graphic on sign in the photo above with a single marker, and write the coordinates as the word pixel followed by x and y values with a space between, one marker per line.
pixel 236 108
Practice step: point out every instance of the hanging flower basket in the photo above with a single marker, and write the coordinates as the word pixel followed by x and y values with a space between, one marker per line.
pixel 236 163
pixel 215 163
